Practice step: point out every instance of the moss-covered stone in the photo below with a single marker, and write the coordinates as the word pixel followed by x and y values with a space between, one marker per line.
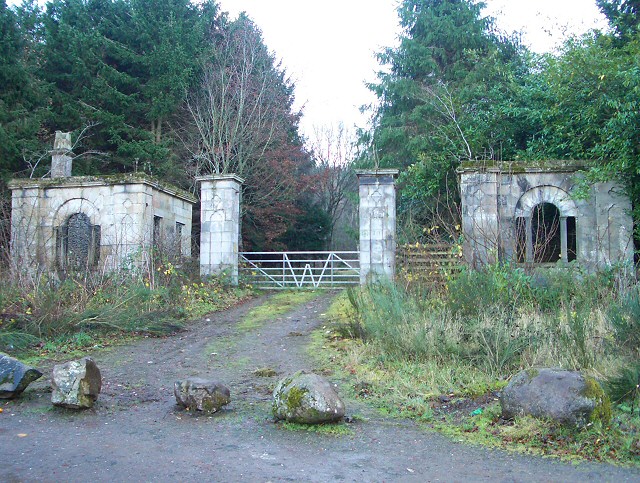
pixel 566 397
pixel 201 395
pixel 602 411
pixel 306 399
pixel 294 398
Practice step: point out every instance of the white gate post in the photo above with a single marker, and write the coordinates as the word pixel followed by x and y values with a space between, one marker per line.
pixel 377 223
pixel 220 196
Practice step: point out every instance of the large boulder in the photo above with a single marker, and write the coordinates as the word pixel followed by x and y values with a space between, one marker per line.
pixel 306 398
pixel 567 397
pixel 201 394
pixel 15 376
pixel 76 384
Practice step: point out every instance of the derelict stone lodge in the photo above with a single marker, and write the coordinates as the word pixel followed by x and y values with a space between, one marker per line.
pixel 69 222
pixel 532 215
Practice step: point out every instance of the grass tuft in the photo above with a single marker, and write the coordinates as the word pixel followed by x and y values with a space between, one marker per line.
pixel 331 429
pixel 277 305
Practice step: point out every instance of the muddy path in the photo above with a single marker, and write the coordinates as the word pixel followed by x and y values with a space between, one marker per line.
pixel 136 432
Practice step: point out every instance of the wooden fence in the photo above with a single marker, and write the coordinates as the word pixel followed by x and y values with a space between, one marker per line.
pixel 428 264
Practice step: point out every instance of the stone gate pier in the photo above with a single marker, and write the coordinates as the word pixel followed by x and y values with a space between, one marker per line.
pixel 377 224
pixel 220 197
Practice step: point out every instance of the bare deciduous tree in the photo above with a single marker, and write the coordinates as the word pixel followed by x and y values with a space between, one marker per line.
pixel 242 120
pixel 334 152
pixel 240 107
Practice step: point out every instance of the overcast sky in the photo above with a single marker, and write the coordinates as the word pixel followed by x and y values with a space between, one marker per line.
pixel 329 46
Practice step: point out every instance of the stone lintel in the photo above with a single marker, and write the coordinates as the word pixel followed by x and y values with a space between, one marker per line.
pixel 220 177
pixel 376 176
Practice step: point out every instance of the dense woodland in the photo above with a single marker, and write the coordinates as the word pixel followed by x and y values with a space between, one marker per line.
pixel 458 90
pixel 177 89
pixel 167 87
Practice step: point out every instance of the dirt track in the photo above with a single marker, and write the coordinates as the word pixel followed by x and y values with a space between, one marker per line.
pixel 136 432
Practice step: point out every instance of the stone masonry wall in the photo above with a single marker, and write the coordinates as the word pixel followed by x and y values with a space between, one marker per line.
pixel 493 199
pixel 377 224
pixel 123 208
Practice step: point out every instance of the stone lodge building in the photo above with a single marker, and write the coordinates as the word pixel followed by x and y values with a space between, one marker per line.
pixel 530 214
pixel 69 222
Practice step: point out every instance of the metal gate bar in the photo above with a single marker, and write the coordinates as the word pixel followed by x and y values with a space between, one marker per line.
pixel 282 270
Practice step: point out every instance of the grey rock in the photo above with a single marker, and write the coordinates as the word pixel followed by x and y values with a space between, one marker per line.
pixel 567 397
pixel 76 384
pixel 15 376
pixel 307 398
pixel 201 394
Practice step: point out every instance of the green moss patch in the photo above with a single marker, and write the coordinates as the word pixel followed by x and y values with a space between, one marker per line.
pixel 275 306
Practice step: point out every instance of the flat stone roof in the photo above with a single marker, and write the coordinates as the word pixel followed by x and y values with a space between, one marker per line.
pixel 536 166
pixel 102 180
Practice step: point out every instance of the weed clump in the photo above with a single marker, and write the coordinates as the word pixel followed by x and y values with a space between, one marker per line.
pixel 80 309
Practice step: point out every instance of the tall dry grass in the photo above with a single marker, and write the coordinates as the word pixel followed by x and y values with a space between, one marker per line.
pixel 495 322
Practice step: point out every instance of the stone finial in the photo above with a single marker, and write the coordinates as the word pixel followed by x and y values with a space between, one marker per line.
pixel 60 155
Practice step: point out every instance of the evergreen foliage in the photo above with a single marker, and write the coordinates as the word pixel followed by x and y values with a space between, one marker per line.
pixel 458 90
pixel 121 71
pixel 447 97
pixel 22 97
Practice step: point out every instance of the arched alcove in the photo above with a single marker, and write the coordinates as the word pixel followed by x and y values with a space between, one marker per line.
pixel 77 244
pixel 545 236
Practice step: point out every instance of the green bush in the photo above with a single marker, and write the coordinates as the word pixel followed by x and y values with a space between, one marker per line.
pixel 500 320
pixel 625 385
pixel 497 287
pixel 624 316
pixel 555 287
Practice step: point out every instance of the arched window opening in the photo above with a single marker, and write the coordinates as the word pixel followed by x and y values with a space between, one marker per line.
pixel 545 231
pixel 546 236
pixel 77 244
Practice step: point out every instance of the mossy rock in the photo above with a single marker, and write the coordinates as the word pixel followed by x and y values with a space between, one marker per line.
pixel 566 397
pixel 201 394
pixel 306 398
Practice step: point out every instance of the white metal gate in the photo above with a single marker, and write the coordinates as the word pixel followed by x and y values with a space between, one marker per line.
pixel 282 270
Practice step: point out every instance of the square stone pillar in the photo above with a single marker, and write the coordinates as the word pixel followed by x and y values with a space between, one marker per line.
pixel 377 224
pixel 220 224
